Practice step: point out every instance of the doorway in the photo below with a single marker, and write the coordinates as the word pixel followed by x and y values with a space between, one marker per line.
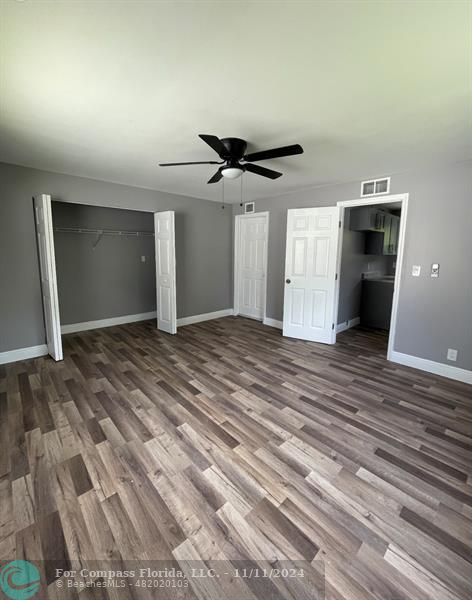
pixel 370 256
pixel 250 265
pixel 314 250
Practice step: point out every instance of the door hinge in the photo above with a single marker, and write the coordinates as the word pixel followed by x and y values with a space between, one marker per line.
pixel 336 277
pixel 332 326
pixel 339 224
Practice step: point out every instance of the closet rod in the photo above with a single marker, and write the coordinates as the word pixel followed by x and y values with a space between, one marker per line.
pixel 103 231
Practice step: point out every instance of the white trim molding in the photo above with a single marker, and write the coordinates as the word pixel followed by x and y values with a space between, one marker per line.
pixel 23 354
pixel 87 325
pixel 217 314
pixel 273 323
pixel 347 324
pixel 431 366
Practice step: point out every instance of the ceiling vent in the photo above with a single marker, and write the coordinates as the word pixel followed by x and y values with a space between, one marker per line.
pixel 375 187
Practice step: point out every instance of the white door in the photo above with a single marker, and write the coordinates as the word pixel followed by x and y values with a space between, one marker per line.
pixel 47 266
pixel 310 274
pixel 164 232
pixel 251 263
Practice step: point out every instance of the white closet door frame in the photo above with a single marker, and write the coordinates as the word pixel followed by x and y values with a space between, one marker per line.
pixel 164 233
pixel 237 259
pixel 47 266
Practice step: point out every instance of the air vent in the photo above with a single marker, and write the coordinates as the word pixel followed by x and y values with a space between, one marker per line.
pixel 249 207
pixel 375 187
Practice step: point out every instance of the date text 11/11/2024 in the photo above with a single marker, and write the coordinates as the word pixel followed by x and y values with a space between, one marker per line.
pixel 249 573
pixel 198 573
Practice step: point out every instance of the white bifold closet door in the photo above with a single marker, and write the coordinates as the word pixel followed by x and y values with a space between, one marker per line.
pixel 310 274
pixel 164 232
pixel 47 264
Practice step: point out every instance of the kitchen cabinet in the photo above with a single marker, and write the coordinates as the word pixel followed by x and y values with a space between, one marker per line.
pixel 394 233
pixel 376 304
pixel 381 230
pixel 386 234
pixel 390 235
pixel 367 218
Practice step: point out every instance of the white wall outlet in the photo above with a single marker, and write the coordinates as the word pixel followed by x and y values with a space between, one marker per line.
pixel 435 270
pixel 143 259
pixel 451 354
pixel 416 270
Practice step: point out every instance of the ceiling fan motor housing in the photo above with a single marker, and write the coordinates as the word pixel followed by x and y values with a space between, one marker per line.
pixel 236 148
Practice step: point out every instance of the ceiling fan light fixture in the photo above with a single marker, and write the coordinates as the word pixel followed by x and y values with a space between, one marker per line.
pixel 231 172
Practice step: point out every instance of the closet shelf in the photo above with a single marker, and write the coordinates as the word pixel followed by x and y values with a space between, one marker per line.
pixel 104 231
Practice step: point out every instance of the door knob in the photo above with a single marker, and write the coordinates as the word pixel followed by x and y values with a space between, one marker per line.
pixel 288 281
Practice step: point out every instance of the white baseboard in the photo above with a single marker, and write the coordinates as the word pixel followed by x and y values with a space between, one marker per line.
pixel 86 325
pixel 432 367
pixel 217 314
pixel 273 323
pixel 347 324
pixel 23 354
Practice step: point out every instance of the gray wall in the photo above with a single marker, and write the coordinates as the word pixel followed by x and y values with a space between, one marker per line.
pixel 354 262
pixel 433 314
pixel 108 280
pixel 203 240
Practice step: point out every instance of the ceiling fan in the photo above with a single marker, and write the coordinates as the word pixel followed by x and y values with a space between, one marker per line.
pixel 232 152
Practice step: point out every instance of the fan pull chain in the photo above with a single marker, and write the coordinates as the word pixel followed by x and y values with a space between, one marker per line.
pixel 241 198
pixel 223 193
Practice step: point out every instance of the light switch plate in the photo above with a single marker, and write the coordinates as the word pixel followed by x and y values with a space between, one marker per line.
pixel 416 270
pixel 451 354
pixel 435 270
pixel 143 259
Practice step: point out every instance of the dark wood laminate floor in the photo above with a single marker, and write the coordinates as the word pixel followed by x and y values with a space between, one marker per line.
pixel 228 442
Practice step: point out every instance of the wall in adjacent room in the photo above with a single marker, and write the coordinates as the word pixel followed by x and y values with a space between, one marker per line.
pixel 203 246
pixel 433 314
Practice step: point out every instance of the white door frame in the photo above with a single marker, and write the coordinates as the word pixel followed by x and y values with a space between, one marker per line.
pixel 237 259
pixel 403 199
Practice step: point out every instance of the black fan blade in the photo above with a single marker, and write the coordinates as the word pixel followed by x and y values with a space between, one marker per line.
pixel 274 153
pixel 216 177
pixel 208 162
pixel 214 143
pixel 262 171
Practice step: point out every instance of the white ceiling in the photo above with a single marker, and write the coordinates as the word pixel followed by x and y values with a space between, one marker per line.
pixel 108 89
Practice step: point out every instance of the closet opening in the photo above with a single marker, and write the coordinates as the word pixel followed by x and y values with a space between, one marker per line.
pixel 104 266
